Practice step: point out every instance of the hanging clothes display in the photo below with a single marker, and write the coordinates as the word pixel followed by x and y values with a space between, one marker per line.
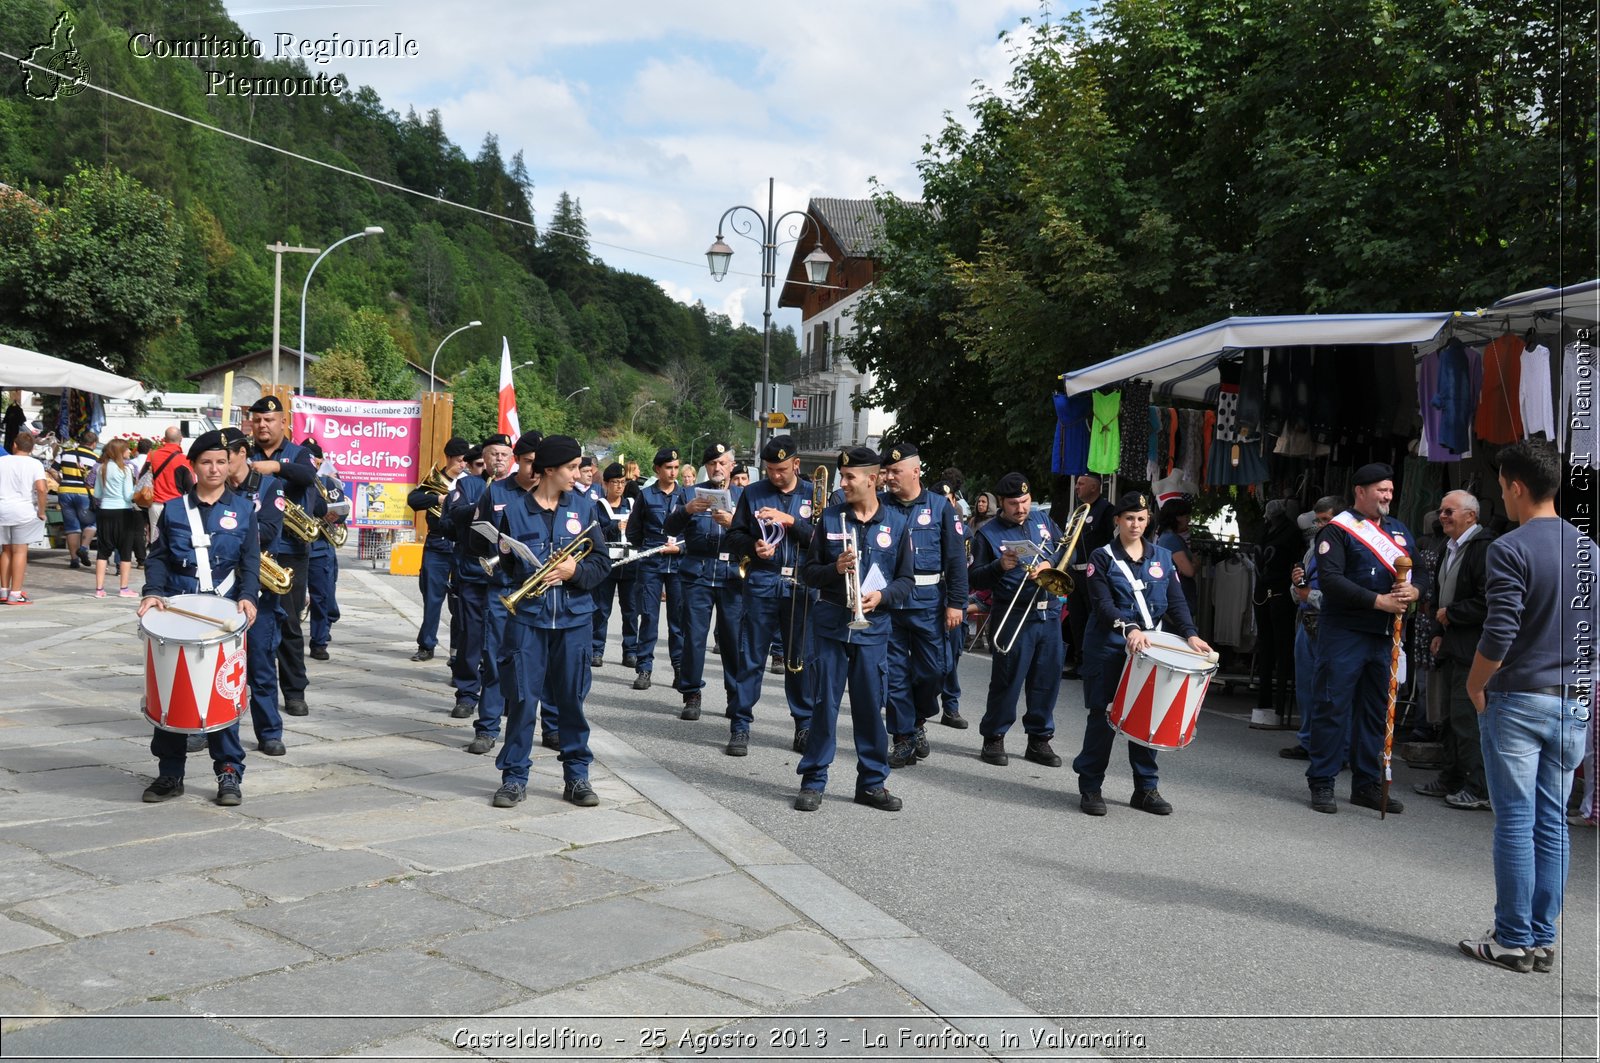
pixel 1105 439
pixel 1499 417
pixel 1536 401
pixel 1070 454
pixel 1135 429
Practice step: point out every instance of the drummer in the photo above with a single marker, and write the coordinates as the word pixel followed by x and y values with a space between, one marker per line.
pixel 232 566
pixel 1133 589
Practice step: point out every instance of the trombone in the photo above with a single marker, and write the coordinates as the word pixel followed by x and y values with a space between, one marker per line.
pixel 537 584
pixel 794 646
pixel 1055 580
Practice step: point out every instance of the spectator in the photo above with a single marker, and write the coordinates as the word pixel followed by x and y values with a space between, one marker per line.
pixel 1172 535
pixel 1532 684
pixel 1458 605
pixel 113 490
pixel 23 487
pixel 71 472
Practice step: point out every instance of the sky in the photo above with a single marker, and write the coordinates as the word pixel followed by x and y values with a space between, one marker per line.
pixel 659 116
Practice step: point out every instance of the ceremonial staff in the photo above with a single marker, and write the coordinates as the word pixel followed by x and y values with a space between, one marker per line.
pixel 1402 575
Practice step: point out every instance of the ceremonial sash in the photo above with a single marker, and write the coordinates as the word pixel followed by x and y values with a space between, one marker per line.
pixel 1373 537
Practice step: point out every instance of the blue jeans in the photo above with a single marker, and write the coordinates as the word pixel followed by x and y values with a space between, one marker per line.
pixel 1532 744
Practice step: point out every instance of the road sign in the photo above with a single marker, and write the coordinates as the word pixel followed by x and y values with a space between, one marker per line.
pixel 777 420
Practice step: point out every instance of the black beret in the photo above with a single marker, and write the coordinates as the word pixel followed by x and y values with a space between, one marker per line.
pixel 474 453
pixel 208 441
pixel 778 448
pixel 713 451
pixel 527 442
pixel 586 462
pixel 311 446
pixel 898 452
pixel 1011 485
pixel 499 439
pixel 1376 472
pixel 666 456
pixel 234 438
pixel 614 471
pixel 267 404
pixel 456 447
pixel 1131 502
pixel 856 457
pixel 556 450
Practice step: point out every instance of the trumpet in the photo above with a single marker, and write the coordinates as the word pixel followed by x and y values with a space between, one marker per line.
pixel 274 577
pixel 852 586
pixel 794 660
pixel 434 483
pixel 300 524
pixel 1054 580
pixel 536 585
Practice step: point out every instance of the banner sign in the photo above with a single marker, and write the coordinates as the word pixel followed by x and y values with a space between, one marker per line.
pixel 374 446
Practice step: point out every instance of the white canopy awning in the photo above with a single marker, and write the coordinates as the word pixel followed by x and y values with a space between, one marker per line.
pixel 32 371
pixel 1185 366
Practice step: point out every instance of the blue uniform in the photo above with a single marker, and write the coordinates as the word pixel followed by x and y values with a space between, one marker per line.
pixel 770 603
pixel 261 646
pixel 322 586
pixel 1111 598
pixel 438 570
pixel 546 652
pixel 919 646
pixel 618 585
pixel 841 656
pixel 1354 652
pixel 472 594
pixel 298 471
pixel 710 574
pixel 1033 665
pixel 646 531
pixel 171 567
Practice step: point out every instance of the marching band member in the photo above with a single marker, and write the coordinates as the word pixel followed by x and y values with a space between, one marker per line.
pixel 647 531
pixel 1356 556
pixel 919 656
pixel 322 582
pixel 228 563
pixel 261 646
pixel 547 639
pixel 772 527
pixel 1033 663
pixel 710 578
pixel 1133 588
pixel 843 653
pixel 438 552
pixel 618 586
pixel 273 453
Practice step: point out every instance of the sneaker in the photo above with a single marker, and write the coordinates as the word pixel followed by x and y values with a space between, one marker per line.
pixel 903 753
pixel 1322 800
pixel 641 681
pixel 550 739
pixel 463 709
pixel 1434 787
pixel 808 801
pixel 924 750
pixel 1463 799
pixel 510 794
pixel 228 792
pixel 1295 752
pixel 1544 958
pixel 691 707
pixel 481 744
pixel 164 788
pixel 597 660
pixel 99 592
pixel 1372 797
pixel 1039 752
pixel 880 799
pixel 954 719
pixel 738 744
pixel 994 752
pixel 424 653
pixel 1091 803
pixel 802 735
pixel 127 592
pixel 1487 949
pixel 580 793
pixel 319 653
pixel 1151 801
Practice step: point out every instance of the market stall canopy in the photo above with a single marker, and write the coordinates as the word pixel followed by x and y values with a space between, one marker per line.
pixel 32 371
pixel 1185 366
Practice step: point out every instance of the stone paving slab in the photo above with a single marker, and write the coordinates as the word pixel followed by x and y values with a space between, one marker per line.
pixel 353 921
pixel 97 911
pixel 779 969
pixel 299 877
pixel 520 888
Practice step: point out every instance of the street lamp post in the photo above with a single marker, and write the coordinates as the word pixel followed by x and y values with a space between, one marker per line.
pixel 433 381
pixel 719 253
pixel 277 295
pixel 371 230
pixel 636 413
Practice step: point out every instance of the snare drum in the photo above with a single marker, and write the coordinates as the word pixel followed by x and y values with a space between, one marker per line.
pixel 195 675
pixel 1158 699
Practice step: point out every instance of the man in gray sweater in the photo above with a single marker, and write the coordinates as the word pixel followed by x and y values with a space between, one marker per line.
pixel 1532 682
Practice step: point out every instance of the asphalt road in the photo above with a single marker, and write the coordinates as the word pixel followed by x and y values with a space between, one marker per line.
pixel 1244 926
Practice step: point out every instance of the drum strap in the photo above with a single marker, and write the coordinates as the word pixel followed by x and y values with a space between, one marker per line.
pixel 1138 593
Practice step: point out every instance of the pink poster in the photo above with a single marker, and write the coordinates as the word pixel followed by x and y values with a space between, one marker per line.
pixel 372 445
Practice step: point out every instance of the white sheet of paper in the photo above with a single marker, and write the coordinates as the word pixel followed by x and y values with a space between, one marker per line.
pixel 721 498
pixel 873 581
